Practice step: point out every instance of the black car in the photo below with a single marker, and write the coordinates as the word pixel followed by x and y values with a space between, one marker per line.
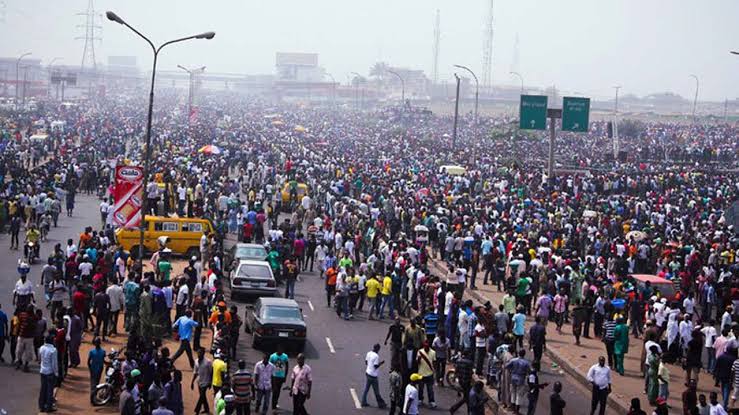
pixel 276 321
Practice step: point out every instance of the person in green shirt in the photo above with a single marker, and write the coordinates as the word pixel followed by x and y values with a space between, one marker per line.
pixel 165 268
pixel 621 345
pixel 273 257
pixel 280 361
pixel 523 292
pixel 346 262
pixel 509 304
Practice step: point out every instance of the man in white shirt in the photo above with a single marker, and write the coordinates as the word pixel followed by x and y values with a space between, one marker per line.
pixel 23 293
pixel 371 373
pixel 117 302
pixel 183 298
pixel 599 376
pixel 410 403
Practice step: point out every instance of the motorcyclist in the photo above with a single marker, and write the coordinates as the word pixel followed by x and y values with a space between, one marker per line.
pixel 32 235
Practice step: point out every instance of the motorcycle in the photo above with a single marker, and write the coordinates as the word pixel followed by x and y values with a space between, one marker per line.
pixel 31 251
pixel 109 390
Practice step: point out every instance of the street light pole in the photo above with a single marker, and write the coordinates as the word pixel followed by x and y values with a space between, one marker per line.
pixel 50 74
pixel 477 90
pixel 191 89
pixel 519 77
pixel 333 88
pixel 616 144
pixel 147 150
pixel 695 98
pixel 357 78
pixel 17 77
pixel 456 115
pixel 402 86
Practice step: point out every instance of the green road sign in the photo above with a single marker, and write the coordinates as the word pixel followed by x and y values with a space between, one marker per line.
pixel 533 112
pixel 575 114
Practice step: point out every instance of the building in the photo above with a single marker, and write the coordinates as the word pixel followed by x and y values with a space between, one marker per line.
pixel 298 67
pixel 29 73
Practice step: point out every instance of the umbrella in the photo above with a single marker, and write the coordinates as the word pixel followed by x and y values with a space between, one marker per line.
pixel 210 149
pixel 300 129
pixel 589 214
pixel 277 123
pixel 637 235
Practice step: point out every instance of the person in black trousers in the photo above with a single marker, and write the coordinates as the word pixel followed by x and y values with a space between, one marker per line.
pixel 463 369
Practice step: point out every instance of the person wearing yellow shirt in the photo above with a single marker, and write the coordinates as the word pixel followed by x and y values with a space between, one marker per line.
pixel 219 369
pixel 425 359
pixel 373 287
pixel 387 298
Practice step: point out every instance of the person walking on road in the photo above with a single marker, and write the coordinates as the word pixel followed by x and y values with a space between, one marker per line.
pixel 242 384
pixel 463 369
pixel 95 363
pixel 410 403
pixel 263 372
pixel 519 368
pixel 280 361
pixel 302 383
pixel 26 332
pixel 203 373
pixel 396 388
pixel 373 362
pixel 556 403
pixel 185 326
pixel 426 356
pixel 49 370
pixel 4 333
pixel 599 375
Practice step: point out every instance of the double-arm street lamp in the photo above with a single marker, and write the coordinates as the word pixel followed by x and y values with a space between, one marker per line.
pixel 191 89
pixel 147 150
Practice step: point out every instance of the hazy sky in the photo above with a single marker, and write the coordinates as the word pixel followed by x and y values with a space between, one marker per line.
pixel 580 45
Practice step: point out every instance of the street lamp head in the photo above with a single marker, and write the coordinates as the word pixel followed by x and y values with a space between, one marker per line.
pixel 206 35
pixel 113 17
pixel 733 52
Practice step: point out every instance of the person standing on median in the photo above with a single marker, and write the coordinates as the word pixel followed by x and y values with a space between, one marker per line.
pixel 373 363
pixel 599 376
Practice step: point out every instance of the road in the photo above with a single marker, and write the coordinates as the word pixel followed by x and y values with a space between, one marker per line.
pixel 24 387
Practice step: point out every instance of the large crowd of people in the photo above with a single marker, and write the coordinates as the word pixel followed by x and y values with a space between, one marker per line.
pixel 366 203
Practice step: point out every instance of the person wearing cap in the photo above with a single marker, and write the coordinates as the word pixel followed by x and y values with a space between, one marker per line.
pixel 220 369
pixel 426 357
pixel 410 403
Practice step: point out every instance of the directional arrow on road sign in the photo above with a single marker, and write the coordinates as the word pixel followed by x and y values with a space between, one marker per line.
pixel 533 112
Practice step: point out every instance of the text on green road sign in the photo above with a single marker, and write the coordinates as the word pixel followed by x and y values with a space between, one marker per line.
pixel 533 112
pixel 575 114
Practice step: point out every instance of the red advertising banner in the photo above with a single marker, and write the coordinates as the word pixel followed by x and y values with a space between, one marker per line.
pixel 128 194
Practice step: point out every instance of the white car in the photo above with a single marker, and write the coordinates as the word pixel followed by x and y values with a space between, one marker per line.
pixel 253 278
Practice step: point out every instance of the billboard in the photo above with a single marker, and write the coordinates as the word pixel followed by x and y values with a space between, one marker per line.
pixel 122 61
pixel 128 194
pixel 296 59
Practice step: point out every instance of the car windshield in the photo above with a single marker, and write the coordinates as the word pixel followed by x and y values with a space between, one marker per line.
pixel 250 252
pixel 281 312
pixel 254 271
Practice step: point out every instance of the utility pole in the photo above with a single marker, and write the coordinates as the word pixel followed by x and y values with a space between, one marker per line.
pixel 553 114
pixel 91 35
pixel 456 115
pixel 25 80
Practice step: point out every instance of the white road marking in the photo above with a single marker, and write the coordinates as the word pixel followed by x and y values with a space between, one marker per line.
pixel 355 398
pixel 330 345
pixel 311 306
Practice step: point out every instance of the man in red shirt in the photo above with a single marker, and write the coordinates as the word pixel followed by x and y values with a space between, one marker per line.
pixel 26 331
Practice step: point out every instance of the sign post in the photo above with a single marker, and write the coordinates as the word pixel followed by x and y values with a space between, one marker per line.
pixel 553 114
pixel 575 114
pixel 533 112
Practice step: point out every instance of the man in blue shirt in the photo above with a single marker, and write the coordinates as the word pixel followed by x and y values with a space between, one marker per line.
pixel 185 326
pixel 95 362
pixel 3 332
pixel 280 361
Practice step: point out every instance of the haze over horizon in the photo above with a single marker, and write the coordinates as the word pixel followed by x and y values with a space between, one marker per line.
pixel 577 45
